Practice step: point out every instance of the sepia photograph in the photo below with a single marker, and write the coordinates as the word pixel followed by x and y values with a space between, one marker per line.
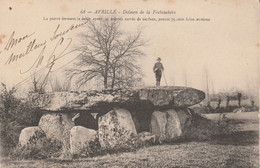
pixel 129 83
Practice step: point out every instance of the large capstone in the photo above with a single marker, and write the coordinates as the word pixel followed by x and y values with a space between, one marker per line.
pixel 80 138
pixel 116 129
pixel 105 100
pixel 30 135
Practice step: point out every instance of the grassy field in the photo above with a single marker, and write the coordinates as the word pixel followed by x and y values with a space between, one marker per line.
pixel 237 149
pixel 250 116
pixel 247 121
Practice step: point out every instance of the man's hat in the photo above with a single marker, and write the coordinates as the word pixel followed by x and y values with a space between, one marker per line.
pixel 158 59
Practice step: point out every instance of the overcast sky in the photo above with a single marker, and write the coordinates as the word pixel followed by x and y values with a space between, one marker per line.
pixel 225 46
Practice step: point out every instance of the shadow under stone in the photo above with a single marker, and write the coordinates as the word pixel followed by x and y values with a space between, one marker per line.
pixel 86 120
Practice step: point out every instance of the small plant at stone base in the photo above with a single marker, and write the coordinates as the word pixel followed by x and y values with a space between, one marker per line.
pixel 38 147
pixel 200 129
pixel 91 149
pixel 132 144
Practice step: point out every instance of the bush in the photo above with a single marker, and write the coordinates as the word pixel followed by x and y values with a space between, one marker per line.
pixel 202 129
pixel 14 116
pixel 91 149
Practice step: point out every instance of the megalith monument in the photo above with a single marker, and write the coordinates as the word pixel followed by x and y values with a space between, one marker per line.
pixel 148 113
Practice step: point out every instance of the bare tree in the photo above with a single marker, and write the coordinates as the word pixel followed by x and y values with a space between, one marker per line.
pixel 227 104
pixel 239 95
pixel 37 84
pixel 109 54
pixel 206 73
pixel 185 77
pixel 60 86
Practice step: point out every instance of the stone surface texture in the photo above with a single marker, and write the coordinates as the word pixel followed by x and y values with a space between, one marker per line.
pixel 170 124
pixel 158 125
pixel 57 127
pixel 29 135
pixel 157 114
pixel 173 125
pixel 108 99
pixel 80 137
pixel 147 137
pixel 116 129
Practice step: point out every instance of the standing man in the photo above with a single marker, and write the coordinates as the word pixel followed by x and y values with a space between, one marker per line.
pixel 157 69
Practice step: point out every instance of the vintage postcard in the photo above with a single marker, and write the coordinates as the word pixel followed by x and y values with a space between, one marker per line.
pixel 129 83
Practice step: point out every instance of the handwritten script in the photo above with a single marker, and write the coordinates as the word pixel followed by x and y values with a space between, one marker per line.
pixel 57 43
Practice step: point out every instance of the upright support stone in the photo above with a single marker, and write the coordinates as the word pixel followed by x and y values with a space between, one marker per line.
pixel 80 138
pixel 57 126
pixel 116 129
pixel 173 126
pixel 158 125
pixel 167 125
pixel 30 135
pixel 185 118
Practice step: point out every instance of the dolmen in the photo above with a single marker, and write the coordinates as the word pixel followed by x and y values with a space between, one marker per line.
pixel 116 119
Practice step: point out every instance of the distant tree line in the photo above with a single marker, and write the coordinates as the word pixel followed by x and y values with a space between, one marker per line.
pixel 232 96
